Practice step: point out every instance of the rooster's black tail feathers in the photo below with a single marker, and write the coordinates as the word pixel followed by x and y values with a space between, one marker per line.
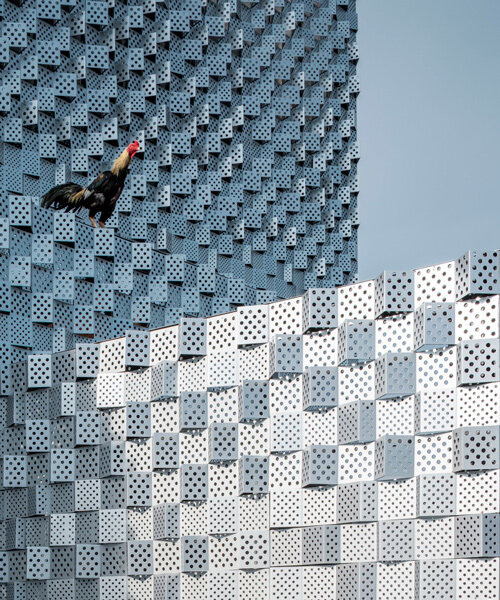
pixel 67 196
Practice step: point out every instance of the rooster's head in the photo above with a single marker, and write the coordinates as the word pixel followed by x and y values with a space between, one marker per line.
pixel 133 148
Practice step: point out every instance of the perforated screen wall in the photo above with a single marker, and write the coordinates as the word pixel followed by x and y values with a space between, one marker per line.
pixel 337 445
pixel 245 187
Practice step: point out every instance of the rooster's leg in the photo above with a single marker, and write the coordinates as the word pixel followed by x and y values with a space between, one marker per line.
pixel 92 220
pixel 102 224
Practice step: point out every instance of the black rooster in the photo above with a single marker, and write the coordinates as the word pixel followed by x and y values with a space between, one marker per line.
pixel 100 196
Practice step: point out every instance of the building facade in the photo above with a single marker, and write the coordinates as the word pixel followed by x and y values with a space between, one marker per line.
pixel 341 444
pixel 201 401
pixel 245 189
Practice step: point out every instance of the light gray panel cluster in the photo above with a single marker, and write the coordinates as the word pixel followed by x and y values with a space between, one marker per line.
pixel 341 444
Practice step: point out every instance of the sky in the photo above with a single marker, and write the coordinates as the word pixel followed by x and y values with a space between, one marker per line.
pixel 428 130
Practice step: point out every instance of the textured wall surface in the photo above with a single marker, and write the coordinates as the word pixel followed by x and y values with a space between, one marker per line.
pixel 246 188
pixel 334 446
pixel 338 445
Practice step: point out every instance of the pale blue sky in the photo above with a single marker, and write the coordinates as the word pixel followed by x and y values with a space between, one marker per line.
pixel 429 131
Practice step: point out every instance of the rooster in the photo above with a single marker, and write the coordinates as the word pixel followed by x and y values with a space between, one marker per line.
pixel 98 197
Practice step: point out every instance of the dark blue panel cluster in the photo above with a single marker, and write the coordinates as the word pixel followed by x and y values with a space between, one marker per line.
pixel 245 188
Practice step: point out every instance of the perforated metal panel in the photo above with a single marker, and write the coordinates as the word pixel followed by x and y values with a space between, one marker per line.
pixel 263 453
pixel 245 186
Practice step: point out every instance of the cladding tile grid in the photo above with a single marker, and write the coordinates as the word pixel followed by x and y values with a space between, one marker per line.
pixel 244 189
pixel 339 444
pixel 126 471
